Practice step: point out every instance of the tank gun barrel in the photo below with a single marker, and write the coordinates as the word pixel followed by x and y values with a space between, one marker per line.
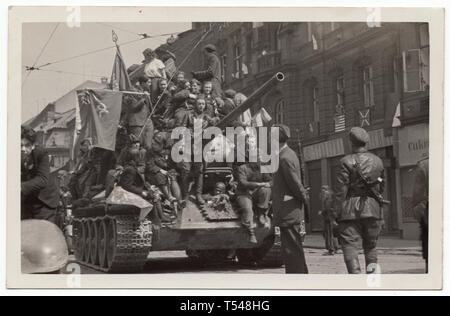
pixel 254 97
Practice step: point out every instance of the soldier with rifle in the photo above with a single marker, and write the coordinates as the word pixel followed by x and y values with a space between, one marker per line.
pixel 361 179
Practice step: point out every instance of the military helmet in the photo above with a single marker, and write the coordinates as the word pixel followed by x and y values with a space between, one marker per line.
pixel 44 248
pixel 220 187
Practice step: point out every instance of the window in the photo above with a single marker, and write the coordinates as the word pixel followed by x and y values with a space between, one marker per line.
pixel 340 91
pixel 223 66
pixel 369 97
pixel 237 58
pixel 339 112
pixel 315 103
pixel 416 64
pixel 279 112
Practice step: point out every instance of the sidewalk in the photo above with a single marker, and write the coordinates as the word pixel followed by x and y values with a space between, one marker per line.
pixel 316 241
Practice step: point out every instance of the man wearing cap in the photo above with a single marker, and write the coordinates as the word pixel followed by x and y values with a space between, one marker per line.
pixel 154 69
pixel 289 198
pixel 39 194
pixel 361 180
pixel 213 71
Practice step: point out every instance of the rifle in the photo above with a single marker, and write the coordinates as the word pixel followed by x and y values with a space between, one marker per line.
pixel 370 185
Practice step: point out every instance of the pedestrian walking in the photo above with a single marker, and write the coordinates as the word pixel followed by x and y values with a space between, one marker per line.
pixel 328 213
pixel 361 180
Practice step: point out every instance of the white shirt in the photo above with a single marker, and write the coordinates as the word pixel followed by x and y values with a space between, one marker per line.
pixel 155 68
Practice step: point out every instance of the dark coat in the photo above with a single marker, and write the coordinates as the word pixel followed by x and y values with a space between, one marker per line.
pixel 248 176
pixel 36 182
pixel 132 181
pixel 138 112
pixel 355 200
pixel 420 192
pixel 289 194
pixel 212 70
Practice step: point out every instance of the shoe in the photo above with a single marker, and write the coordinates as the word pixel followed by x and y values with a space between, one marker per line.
pixel 353 266
pixel 252 238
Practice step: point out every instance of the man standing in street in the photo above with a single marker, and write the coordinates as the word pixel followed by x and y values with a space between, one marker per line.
pixel 289 198
pixel 361 180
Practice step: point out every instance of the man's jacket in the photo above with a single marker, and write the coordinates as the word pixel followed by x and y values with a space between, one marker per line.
pixel 289 194
pixel 36 182
pixel 355 197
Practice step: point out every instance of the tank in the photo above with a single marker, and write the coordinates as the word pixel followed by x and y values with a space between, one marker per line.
pixel 116 239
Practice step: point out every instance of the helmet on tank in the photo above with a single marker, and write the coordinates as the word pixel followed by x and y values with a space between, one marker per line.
pixel 44 248
pixel 220 188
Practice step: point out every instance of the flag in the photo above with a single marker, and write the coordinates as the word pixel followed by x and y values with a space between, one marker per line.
pixel 391 113
pixel 396 120
pixel 119 78
pixel 99 117
pixel 171 68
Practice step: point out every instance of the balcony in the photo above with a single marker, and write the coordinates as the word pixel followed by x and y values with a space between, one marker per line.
pixel 269 61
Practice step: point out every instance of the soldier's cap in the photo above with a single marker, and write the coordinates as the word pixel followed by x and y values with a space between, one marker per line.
pixel 359 136
pixel 230 93
pixel 210 48
pixel 285 132
pixel 221 186
pixel 148 51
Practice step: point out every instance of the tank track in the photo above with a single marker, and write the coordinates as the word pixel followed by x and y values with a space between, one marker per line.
pixel 129 242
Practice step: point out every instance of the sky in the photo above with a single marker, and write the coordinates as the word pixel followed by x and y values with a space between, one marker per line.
pixel 45 86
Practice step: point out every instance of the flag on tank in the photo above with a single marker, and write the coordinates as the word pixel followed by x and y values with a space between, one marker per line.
pixel 120 80
pixel 99 113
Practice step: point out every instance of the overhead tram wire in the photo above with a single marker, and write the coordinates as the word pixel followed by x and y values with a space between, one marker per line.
pixel 30 69
pixel 143 37
pixel 71 73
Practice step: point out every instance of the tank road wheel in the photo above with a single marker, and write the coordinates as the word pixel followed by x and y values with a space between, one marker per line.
pixel 79 240
pixel 84 240
pixel 89 234
pixel 94 242
pixel 111 241
pixel 102 243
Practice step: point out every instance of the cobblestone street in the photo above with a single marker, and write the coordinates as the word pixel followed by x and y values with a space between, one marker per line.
pixel 396 256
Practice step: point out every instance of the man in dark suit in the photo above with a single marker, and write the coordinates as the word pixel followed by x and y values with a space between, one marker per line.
pixel 289 198
pixel 212 72
pixel 39 194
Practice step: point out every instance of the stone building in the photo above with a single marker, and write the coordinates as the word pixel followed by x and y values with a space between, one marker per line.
pixel 338 75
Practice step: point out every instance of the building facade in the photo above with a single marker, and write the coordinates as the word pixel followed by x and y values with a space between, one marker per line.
pixel 338 75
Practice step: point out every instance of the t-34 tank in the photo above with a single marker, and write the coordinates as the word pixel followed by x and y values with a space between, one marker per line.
pixel 118 239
